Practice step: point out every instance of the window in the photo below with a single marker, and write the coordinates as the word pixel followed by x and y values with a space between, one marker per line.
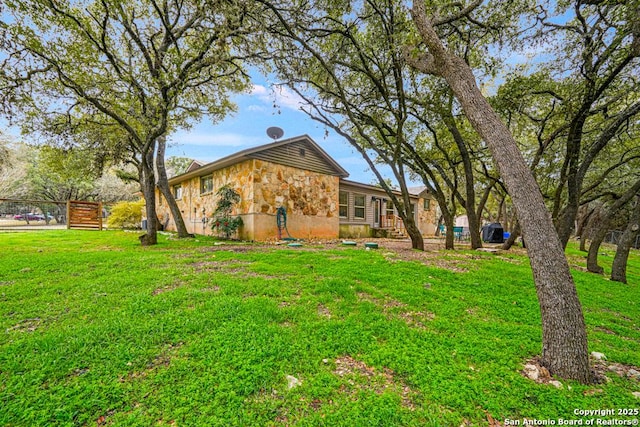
pixel 390 211
pixel 343 204
pixel 427 204
pixel 177 192
pixel 206 184
pixel 358 206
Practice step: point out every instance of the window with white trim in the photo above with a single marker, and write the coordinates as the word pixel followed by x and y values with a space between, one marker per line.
pixel 359 206
pixel 343 204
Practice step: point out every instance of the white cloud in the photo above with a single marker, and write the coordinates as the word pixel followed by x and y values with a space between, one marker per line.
pixel 279 94
pixel 213 139
pixel 259 90
pixel 256 108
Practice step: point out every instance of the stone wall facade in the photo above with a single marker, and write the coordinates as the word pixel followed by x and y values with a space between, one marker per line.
pixel 427 220
pixel 310 198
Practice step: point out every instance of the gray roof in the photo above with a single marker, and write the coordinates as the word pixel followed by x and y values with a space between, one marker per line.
pixel 417 190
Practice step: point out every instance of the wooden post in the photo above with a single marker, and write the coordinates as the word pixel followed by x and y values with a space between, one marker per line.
pixel 68 214
pixel 100 216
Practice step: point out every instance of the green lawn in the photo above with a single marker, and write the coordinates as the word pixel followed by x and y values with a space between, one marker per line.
pixel 97 330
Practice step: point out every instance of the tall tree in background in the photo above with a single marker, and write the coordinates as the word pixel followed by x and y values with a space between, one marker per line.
pixel 143 68
pixel 57 174
pixel 564 338
pixel 582 99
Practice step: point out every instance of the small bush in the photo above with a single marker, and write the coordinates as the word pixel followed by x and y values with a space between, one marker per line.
pixel 222 219
pixel 126 215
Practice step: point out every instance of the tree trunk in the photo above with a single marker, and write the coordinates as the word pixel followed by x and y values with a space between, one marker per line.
pixel 583 244
pixel 498 213
pixel 481 206
pixel 515 233
pixel 447 217
pixel 566 223
pixel 440 222
pixel 148 187
pixel 594 247
pixel 163 185
pixel 417 241
pixel 448 238
pixel 564 336
pixel 582 220
pixel 474 229
pixel 631 232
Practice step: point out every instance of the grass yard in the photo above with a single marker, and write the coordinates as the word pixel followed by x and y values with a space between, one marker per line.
pixel 97 330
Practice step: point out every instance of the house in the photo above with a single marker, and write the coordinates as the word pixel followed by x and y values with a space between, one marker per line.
pixel 296 174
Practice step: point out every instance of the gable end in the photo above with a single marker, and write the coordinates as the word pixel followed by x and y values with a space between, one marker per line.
pixel 299 154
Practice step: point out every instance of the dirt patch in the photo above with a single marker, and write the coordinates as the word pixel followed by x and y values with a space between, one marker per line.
pixel 393 250
pixel 323 311
pixel 416 318
pixel 356 377
pixel 359 377
pixel 363 296
pixel 237 248
pixel 391 304
pixel 26 325
pixel 162 360
pixel 605 330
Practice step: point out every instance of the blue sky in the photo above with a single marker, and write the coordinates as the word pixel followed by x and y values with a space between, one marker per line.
pixel 247 128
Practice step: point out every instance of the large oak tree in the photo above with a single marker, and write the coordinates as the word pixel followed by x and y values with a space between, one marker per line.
pixel 136 70
pixel 564 338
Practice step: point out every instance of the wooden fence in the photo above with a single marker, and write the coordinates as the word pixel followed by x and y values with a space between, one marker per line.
pixel 84 215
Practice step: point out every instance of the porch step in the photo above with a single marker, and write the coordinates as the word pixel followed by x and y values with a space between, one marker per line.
pixel 396 234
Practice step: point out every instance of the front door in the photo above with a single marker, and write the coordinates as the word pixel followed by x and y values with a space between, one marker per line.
pixel 377 205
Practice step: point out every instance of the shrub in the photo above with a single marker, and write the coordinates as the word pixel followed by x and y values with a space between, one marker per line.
pixel 126 215
pixel 222 219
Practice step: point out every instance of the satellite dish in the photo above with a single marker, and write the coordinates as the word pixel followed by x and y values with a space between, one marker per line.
pixel 275 133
